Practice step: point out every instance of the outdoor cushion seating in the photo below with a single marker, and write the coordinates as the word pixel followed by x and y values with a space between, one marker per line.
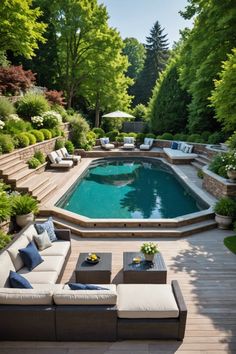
pixel 180 151
pixel 57 161
pixel 128 143
pixel 67 156
pixel 105 144
pixel 147 144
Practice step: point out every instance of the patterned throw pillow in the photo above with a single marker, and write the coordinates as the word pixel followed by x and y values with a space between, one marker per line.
pixel 47 225
pixel 42 240
pixel 17 281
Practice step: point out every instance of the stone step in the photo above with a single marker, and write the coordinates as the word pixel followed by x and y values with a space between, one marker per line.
pixel 136 232
pixel 202 161
pixel 8 158
pixel 20 176
pixel 43 193
pixel 32 184
pixel 197 165
pixel 204 158
pixel 7 164
pixel 18 167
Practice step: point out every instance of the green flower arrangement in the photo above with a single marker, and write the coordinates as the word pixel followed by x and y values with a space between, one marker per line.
pixel 149 248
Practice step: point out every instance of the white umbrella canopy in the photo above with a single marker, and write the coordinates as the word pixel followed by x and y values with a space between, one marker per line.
pixel 117 114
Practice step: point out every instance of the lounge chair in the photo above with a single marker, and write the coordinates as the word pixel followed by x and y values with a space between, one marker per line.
pixel 105 144
pixel 66 156
pixel 128 143
pixel 147 144
pixel 57 162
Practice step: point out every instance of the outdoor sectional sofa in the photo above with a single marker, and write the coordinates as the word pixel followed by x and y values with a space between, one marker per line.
pixel 52 311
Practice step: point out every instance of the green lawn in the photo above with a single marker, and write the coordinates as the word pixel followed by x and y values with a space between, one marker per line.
pixel 230 243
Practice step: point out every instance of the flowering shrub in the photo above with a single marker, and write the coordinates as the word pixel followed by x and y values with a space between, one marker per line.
pixel 231 161
pixel 37 121
pixel 51 119
pixel 1 124
pixel 149 248
pixel 14 117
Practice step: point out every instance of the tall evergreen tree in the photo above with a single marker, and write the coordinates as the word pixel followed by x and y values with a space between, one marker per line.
pixel 156 57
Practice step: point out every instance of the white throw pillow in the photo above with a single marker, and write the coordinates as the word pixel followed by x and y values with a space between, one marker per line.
pixel 42 241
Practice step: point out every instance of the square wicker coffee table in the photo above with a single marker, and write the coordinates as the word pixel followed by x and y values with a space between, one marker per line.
pixel 144 272
pixel 99 273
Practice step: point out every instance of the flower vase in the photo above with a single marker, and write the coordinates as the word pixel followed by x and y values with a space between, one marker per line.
pixel 149 257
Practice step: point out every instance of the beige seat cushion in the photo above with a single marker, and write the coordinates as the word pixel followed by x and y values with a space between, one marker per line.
pixel 6 265
pixel 9 296
pixel 58 248
pixel 128 146
pixel 86 297
pixel 63 164
pixel 178 154
pixel 39 277
pixel 13 251
pixel 49 264
pixel 146 301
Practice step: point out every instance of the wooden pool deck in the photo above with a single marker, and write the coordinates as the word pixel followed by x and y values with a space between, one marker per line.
pixel 206 271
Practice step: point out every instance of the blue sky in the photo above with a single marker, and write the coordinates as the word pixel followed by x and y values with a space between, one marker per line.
pixel 135 18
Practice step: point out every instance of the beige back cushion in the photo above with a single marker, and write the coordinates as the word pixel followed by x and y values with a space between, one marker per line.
pixel 86 297
pixel 25 297
pixel 30 232
pixel 5 266
pixel 13 251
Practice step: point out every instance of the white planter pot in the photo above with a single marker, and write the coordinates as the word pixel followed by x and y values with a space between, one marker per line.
pixel 149 257
pixel 223 222
pixel 23 220
pixel 232 175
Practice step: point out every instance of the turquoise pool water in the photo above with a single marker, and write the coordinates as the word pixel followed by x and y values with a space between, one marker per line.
pixel 129 188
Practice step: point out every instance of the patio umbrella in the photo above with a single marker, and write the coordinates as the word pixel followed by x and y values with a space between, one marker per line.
pixel 117 114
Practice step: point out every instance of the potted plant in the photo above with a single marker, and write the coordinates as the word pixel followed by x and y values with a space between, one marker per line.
pixel 225 210
pixel 231 165
pixel 149 249
pixel 24 206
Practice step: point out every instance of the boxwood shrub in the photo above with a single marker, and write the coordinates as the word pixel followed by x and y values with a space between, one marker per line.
pixel 38 135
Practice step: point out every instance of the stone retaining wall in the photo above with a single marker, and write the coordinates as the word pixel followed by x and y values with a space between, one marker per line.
pixel 218 186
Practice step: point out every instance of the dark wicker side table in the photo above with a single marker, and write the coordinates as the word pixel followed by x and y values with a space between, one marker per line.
pixel 99 273
pixel 144 272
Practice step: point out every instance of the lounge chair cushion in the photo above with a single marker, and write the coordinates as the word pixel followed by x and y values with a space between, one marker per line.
pixel 10 296
pixel 146 301
pixel 147 144
pixel 86 297
pixel 6 266
pixel 59 153
pixel 178 154
pixel 63 164
pixel 18 281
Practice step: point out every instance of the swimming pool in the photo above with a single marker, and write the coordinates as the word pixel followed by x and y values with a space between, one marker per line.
pixel 129 188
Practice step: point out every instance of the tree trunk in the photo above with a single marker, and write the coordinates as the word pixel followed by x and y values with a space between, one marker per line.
pixel 97 110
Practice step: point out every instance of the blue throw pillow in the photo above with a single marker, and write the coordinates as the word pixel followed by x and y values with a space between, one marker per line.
pixel 174 145
pixel 47 225
pixel 17 281
pixel 30 256
pixel 80 286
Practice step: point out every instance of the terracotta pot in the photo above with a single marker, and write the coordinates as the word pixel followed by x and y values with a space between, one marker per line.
pixel 223 222
pixel 231 174
pixel 149 257
pixel 23 220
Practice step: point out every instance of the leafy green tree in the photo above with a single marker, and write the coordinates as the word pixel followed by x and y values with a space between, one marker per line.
pixel 156 57
pixel 135 52
pixel 167 108
pixel 224 95
pixel 204 49
pixel 20 30
pixel 140 112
